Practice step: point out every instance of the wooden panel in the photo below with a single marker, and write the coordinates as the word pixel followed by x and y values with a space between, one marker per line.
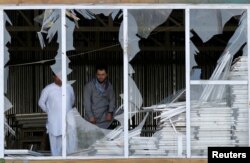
pixel 151 160
pixel 180 1
pixel 109 1
pixel 198 161
pixel 58 1
pixel 139 1
pixel 181 161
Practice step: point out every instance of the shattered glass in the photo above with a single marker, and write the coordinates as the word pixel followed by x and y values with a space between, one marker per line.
pixel 141 24
pixel 86 139
pixel 208 31
pixel 83 137
pixel 220 123
pixel 7 103
pixel 148 20
pixel 218 112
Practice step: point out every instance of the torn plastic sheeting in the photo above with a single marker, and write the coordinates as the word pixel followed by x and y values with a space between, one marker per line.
pixel 245 51
pixel 227 14
pixel 50 16
pixel 165 115
pixel 140 126
pixel 78 129
pixel 90 14
pixel 148 19
pixel 169 111
pixel 7 39
pixel 6 74
pixel 239 37
pixel 137 130
pixel 133 40
pixel 195 74
pixel 224 63
pixel 86 131
pixel 135 101
pixel 115 139
pixel 85 14
pixel 71 14
pixel 207 23
pixel 169 100
pixel 57 67
pixel 193 52
pixel 161 107
pixel 6 55
pixel 7 128
pixel 114 133
pixel 220 73
pixel 7 104
pixel 47 20
pixel 135 96
pixel 41 40
pixel 130 69
pixel 69 34
pixel 39 18
pixel 6 18
pixel 55 28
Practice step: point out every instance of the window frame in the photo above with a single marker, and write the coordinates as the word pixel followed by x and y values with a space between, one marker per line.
pixel 125 8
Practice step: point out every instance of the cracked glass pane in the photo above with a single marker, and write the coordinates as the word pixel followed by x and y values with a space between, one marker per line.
pixel 218 55
pixel 217 43
pixel 222 122
pixel 95 125
pixel 156 51
pixel 32 93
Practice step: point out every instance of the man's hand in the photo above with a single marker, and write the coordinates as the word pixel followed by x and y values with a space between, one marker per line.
pixel 92 120
pixel 108 116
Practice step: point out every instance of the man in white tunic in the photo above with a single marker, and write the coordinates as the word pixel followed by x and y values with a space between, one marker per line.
pixel 51 103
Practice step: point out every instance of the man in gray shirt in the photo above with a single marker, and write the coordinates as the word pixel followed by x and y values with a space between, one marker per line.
pixel 99 99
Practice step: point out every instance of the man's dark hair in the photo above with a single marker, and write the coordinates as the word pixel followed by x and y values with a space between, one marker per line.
pixel 101 67
pixel 53 74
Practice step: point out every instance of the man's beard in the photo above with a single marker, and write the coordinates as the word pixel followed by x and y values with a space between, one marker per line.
pixel 101 82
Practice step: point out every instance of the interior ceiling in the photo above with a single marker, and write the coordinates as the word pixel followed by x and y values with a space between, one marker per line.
pixel 103 32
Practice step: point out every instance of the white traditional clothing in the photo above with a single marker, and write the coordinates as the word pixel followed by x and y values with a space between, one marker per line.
pixel 55 145
pixel 51 103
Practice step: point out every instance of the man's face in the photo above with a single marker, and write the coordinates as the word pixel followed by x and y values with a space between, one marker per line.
pixel 101 75
pixel 57 80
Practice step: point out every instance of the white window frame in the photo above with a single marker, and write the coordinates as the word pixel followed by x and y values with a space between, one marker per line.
pixel 1 84
pixel 213 82
pixel 124 7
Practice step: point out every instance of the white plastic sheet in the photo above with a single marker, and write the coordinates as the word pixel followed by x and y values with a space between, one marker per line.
pixel 147 20
pixel 221 71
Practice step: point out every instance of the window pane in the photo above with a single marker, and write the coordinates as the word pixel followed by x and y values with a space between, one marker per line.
pixel 220 121
pixel 156 52
pixel 218 39
pixel 32 92
pixel 96 60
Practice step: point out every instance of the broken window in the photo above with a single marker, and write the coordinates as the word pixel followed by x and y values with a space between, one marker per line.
pixel 222 122
pixel 32 55
pixel 156 51
pixel 218 39
pixel 218 52
pixel 92 41
pixel 157 106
